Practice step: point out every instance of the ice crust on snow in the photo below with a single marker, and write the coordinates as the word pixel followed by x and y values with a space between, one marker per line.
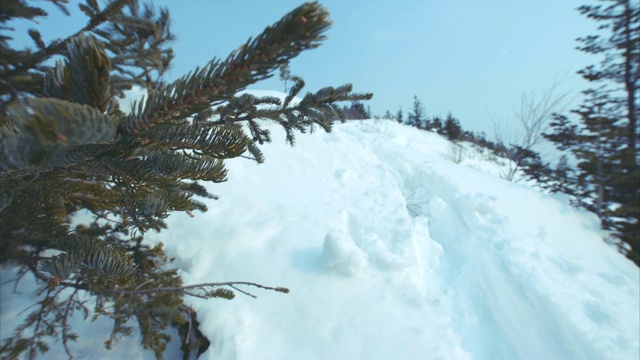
pixel 391 250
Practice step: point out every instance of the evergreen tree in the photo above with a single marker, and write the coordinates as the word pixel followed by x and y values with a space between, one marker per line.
pixel 285 75
pixel 428 125
pixel 469 136
pixel 452 128
pixel 417 116
pixel 387 115
pixel 436 125
pixel 66 146
pixel 399 115
pixel 605 140
pixel 356 111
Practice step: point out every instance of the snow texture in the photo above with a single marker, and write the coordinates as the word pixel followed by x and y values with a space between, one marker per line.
pixel 391 251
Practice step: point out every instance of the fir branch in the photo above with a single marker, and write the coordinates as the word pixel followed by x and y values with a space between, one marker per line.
pixel 111 263
pixel 10 188
pixel 220 142
pixel 218 81
pixel 53 121
pixel 66 334
pixel 58 156
pixel 42 326
pixel 39 318
pixel 313 109
pixel 168 166
pixel 57 46
pixel 89 85
pixel 51 133
pixel 185 289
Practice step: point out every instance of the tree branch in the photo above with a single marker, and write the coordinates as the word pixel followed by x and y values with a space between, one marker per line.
pixel 182 289
pixel 57 46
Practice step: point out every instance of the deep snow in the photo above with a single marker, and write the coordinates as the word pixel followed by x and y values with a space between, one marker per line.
pixel 391 250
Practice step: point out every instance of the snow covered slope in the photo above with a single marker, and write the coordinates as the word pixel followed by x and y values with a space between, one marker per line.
pixel 393 251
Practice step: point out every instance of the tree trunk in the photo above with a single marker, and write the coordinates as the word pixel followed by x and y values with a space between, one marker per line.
pixel 629 76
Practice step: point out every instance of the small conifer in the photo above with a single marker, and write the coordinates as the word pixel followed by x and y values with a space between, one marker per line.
pixel 417 116
pixel 452 128
pixel 399 115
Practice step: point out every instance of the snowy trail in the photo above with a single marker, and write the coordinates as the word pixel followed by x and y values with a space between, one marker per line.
pixel 469 269
pixel 491 295
pixel 487 264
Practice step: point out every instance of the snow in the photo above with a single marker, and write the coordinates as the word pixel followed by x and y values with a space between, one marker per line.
pixel 341 253
pixel 391 250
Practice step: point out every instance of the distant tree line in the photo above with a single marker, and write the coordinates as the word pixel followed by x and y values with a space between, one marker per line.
pixel 356 111
pixel 449 126
pixel 599 165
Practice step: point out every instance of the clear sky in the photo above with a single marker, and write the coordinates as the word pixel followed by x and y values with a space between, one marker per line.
pixel 474 58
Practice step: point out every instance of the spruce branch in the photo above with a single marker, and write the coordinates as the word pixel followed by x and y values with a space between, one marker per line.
pixel 203 287
pixel 52 133
pixel 42 326
pixel 57 46
pixel 52 314
pixel 73 149
pixel 206 138
pixel 111 263
pixel 318 108
pixel 89 86
pixel 53 121
pixel 66 333
pixel 218 81
pixel 168 167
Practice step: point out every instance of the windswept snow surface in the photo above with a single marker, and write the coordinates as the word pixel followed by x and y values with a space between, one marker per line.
pixel 393 251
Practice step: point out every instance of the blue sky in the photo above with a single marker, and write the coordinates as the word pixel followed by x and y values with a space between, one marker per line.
pixel 474 58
